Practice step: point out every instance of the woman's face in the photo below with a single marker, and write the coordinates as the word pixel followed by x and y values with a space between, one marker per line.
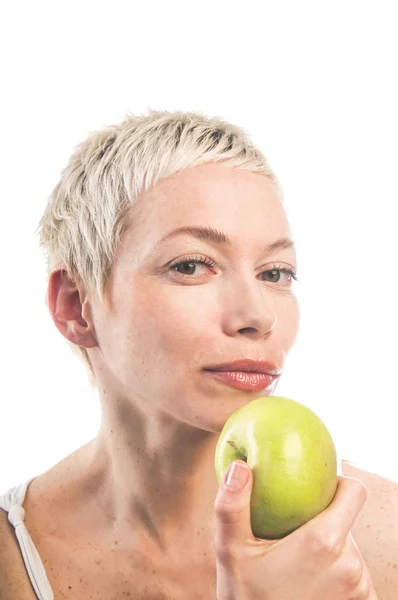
pixel 166 323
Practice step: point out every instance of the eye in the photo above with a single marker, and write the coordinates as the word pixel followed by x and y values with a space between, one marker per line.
pixel 190 264
pixel 276 273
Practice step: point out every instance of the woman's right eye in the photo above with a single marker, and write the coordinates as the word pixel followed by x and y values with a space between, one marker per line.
pixel 190 262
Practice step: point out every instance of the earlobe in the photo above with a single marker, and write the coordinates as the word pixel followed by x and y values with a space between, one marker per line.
pixel 66 309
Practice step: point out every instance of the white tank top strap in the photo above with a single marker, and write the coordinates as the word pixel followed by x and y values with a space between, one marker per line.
pixel 12 502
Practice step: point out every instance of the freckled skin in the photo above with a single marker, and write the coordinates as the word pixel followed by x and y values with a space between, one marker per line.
pixel 120 512
pixel 376 531
pixel 147 480
pixel 165 414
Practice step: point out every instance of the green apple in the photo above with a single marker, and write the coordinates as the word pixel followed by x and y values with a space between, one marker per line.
pixel 292 457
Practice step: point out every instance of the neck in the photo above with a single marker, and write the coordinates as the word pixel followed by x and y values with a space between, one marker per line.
pixel 155 478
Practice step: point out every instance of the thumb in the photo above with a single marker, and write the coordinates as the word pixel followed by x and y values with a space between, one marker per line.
pixel 232 509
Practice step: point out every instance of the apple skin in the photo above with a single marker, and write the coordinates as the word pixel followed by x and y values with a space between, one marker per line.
pixel 293 459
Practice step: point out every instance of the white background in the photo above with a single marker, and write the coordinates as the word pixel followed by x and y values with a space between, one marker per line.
pixel 315 83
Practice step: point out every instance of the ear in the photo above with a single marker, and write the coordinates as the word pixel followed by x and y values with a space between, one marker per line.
pixel 70 310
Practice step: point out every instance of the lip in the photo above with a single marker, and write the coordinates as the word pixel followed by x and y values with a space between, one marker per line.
pixel 248 365
pixel 241 380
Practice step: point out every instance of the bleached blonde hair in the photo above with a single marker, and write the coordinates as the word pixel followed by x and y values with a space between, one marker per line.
pixel 88 212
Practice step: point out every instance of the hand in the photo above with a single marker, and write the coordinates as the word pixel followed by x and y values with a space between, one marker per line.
pixel 318 561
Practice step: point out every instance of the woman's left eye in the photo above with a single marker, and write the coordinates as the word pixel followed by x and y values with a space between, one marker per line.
pixel 274 272
pixel 285 270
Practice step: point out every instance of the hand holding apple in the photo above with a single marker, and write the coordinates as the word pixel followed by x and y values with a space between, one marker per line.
pixel 292 457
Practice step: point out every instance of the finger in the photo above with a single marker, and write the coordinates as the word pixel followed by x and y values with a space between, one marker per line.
pixel 333 524
pixel 232 510
pixel 365 589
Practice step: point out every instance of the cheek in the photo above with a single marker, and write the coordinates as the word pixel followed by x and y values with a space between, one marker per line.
pixel 169 327
pixel 165 326
pixel 288 322
pixel 179 322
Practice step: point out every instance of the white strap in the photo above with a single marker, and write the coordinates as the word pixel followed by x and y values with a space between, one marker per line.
pixel 16 515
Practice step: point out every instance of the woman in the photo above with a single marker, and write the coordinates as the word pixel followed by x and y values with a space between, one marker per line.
pixel 169 253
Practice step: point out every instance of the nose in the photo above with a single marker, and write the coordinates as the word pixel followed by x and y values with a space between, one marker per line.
pixel 249 310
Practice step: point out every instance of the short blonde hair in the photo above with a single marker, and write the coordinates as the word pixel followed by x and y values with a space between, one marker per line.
pixel 88 211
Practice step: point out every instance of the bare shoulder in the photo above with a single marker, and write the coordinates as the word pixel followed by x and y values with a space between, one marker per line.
pixel 376 529
pixel 14 579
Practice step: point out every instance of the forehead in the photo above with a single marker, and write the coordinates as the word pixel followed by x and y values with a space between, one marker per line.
pixel 237 202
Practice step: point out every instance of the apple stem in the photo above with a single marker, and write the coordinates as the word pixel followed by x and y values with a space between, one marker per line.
pixel 232 443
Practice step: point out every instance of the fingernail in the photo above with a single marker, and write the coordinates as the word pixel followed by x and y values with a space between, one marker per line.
pixel 237 476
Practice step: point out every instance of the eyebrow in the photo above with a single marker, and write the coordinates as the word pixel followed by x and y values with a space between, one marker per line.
pixel 215 236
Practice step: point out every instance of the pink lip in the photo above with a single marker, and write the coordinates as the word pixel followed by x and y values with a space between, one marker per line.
pixel 249 365
pixel 245 381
